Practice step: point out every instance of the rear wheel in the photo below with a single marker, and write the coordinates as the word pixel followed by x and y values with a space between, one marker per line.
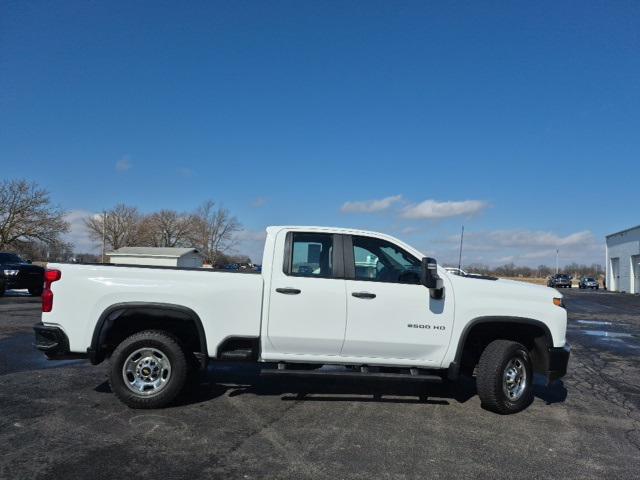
pixel 505 376
pixel 148 369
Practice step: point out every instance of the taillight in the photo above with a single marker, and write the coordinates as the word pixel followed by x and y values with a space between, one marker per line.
pixel 50 276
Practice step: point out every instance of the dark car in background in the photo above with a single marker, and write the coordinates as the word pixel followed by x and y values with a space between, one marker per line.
pixel 16 273
pixel 559 280
pixel 589 282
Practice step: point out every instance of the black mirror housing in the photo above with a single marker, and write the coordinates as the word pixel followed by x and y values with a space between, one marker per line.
pixel 429 274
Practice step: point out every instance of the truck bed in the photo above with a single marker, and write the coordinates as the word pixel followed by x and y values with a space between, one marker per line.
pixel 227 303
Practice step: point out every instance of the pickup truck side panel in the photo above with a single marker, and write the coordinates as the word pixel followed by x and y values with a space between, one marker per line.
pixel 506 299
pixel 310 328
pixel 228 304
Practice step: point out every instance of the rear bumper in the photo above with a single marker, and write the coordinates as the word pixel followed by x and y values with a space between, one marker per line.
pixel 53 342
pixel 558 361
pixel 20 283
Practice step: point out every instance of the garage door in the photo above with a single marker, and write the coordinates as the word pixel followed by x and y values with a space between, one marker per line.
pixel 635 273
pixel 615 274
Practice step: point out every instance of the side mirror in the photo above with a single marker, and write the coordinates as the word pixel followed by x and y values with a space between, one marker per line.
pixel 429 277
pixel 29 261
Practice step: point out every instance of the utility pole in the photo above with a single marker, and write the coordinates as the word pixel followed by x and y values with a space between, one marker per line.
pixel 557 252
pixel 460 256
pixel 104 227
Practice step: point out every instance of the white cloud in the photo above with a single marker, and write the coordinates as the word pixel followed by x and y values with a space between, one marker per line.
pixel 370 206
pixel 251 235
pixel 259 202
pixel 432 209
pixel 528 238
pixel 523 247
pixel 409 230
pixel 251 243
pixel 124 164
pixel 78 234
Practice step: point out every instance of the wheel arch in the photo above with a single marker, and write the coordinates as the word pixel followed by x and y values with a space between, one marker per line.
pixel 109 317
pixel 540 345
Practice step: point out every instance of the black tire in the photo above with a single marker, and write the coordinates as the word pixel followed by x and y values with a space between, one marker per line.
pixel 491 372
pixel 170 353
pixel 35 291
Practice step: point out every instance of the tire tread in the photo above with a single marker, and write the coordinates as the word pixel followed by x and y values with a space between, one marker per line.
pixel 489 378
pixel 179 370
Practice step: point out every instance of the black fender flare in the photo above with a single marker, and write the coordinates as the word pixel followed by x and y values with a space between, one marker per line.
pixel 114 311
pixel 454 367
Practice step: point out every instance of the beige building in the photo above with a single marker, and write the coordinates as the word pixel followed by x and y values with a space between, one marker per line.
pixel 157 256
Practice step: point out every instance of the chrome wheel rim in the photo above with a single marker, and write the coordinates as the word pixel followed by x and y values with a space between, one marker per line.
pixel 146 371
pixel 514 379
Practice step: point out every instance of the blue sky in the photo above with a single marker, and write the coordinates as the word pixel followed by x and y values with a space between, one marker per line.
pixel 519 119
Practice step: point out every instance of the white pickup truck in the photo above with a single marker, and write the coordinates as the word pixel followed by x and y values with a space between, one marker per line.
pixel 326 296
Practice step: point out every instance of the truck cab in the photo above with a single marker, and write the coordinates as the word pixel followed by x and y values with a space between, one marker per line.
pixel 361 300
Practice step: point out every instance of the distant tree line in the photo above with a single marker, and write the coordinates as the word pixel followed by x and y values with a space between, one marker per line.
pixel 34 227
pixel 209 228
pixel 541 271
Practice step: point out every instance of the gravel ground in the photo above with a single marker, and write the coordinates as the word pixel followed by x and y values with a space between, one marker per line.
pixel 59 419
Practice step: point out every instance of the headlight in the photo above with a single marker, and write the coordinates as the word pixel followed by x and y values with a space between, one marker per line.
pixel 10 272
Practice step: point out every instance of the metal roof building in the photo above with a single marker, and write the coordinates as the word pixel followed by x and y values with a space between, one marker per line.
pixel 157 256
pixel 623 261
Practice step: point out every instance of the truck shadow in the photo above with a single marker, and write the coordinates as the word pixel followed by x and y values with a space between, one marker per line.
pixel 240 380
pixel 550 394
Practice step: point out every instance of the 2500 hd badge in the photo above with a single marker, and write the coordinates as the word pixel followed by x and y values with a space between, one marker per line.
pixel 426 327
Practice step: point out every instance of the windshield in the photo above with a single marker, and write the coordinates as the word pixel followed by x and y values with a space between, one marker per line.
pixel 589 279
pixel 10 258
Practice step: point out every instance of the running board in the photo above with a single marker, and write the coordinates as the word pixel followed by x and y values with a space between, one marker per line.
pixel 284 372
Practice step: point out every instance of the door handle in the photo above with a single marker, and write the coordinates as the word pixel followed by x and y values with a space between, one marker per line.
pixel 288 291
pixel 363 295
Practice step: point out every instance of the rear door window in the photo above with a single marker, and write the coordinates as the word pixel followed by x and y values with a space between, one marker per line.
pixel 311 255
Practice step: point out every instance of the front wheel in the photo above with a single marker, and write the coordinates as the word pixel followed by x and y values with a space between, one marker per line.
pixel 148 369
pixel 505 377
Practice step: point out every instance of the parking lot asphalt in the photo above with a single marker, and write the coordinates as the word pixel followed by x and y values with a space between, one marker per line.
pixel 59 419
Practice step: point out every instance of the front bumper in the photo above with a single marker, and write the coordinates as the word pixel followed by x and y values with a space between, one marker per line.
pixel 53 342
pixel 558 361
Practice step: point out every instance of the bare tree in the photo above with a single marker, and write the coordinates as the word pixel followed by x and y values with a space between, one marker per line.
pixel 121 229
pixel 58 251
pixel 26 214
pixel 166 228
pixel 213 231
